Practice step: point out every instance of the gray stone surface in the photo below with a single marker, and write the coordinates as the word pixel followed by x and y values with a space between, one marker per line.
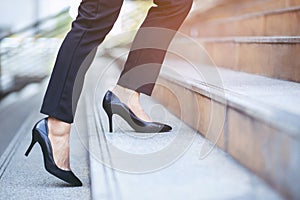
pixel 279 94
pixel 187 175
pixel 26 178
pixel 271 100
pixel 177 165
pixel 255 39
pixel 13 113
pixel 129 165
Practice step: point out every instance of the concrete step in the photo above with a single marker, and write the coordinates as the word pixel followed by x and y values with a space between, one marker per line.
pixel 220 9
pixel 253 118
pixel 275 57
pixel 260 23
pixel 176 165
pixel 25 177
pixel 13 106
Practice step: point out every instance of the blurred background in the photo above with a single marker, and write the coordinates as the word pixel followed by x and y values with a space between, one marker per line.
pixel 30 33
pixel 40 25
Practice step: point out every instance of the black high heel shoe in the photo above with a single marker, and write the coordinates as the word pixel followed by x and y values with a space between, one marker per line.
pixel 40 135
pixel 112 105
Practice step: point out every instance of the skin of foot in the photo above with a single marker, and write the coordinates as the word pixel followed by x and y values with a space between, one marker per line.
pixel 131 98
pixel 59 135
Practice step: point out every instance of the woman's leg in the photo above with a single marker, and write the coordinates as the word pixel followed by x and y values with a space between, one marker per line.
pixel 95 19
pixel 143 64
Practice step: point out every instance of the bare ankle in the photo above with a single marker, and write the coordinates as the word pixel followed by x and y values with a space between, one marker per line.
pixel 58 127
pixel 132 99
pixel 123 90
pixel 59 135
pixel 126 95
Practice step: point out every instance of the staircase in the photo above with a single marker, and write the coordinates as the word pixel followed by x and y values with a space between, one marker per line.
pixel 249 30
pixel 234 76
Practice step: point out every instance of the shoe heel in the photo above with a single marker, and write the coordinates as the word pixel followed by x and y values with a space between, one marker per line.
pixel 33 141
pixel 109 113
pixel 110 123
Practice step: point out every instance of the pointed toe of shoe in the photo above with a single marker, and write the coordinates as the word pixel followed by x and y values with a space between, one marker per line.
pixel 162 127
pixel 166 128
pixel 67 176
pixel 75 181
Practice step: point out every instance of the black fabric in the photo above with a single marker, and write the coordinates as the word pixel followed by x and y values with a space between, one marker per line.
pixel 95 19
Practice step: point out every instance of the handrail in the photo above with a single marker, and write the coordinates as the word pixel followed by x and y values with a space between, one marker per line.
pixel 34 29
pixel 34 25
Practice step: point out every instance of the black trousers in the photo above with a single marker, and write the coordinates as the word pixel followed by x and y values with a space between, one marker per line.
pixel 94 21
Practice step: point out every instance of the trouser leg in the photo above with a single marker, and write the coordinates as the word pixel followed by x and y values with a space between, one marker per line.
pixel 159 27
pixel 95 19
